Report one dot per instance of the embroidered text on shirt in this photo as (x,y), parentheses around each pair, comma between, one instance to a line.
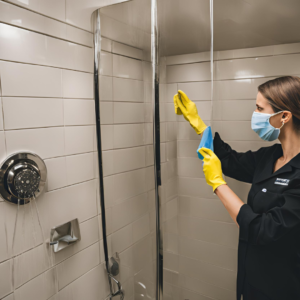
(281,181)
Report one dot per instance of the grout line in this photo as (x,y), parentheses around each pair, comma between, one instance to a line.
(45,66)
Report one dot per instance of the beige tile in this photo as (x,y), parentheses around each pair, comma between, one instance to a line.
(147,71)
(6,275)
(45,142)
(186,148)
(171,150)
(30,264)
(187,132)
(87,286)
(77,85)
(128,113)
(128,90)
(128,211)
(195,187)
(141,228)
(190,167)
(208,273)
(129,159)
(35,81)
(9,297)
(149,155)
(253,52)
(77,265)
(171,131)
(205,288)
(106,64)
(237,110)
(107,136)
(56,173)
(41,287)
(196,90)
(122,239)
(127,67)
(222,233)
(80,168)
(211,209)
(286,48)
(32,112)
(171,261)
(142,253)
(54,9)
(149,133)
(129,184)
(79,112)
(108,162)
(125,50)
(1,115)
(106,88)
(130,135)
(189,72)
(219,255)
(238,131)
(106,44)
(78,139)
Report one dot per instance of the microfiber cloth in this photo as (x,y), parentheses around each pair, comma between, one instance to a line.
(206,141)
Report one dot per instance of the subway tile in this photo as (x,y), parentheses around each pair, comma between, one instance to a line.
(107,136)
(128,112)
(77,265)
(237,110)
(195,187)
(87,286)
(219,255)
(76,201)
(222,233)
(41,287)
(147,71)
(108,162)
(129,159)
(196,90)
(129,184)
(122,239)
(126,50)
(187,132)
(45,142)
(106,112)
(106,64)
(56,173)
(208,273)
(6,275)
(149,155)
(171,150)
(30,264)
(190,167)
(54,9)
(142,253)
(127,67)
(77,84)
(205,288)
(78,139)
(79,112)
(10,297)
(239,131)
(141,228)
(80,168)
(130,90)
(189,72)
(30,80)
(187,148)
(286,48)
(211,209)
(128,211)
(1,114)
(32,112)
(106,88)
(130,135)
(106,44)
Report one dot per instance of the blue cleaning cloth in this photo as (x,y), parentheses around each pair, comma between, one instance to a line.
(206,141)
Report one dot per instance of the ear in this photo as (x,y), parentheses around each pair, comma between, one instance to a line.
(286,116)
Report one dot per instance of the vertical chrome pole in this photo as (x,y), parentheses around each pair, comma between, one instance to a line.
(97,49)
(156,144)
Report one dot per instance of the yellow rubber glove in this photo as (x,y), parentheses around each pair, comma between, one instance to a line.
(184,106)
(212,168)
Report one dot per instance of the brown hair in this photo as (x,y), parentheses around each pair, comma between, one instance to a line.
(283,93)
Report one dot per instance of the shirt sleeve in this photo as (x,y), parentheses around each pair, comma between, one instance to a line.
(263,229)
(237,165)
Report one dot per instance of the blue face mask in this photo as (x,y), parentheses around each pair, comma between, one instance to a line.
(260,123)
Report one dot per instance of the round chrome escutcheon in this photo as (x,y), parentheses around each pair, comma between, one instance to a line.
(22,177)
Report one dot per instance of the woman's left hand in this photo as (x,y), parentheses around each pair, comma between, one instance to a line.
(212,168)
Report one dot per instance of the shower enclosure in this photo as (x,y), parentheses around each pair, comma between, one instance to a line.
(130,176)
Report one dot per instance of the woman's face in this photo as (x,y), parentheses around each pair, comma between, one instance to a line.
(263,106)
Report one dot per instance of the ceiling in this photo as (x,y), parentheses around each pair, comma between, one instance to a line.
(185,24)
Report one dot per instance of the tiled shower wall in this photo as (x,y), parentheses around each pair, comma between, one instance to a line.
(46,73)
(205,244)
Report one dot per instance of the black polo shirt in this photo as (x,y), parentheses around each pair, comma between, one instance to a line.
(269,232)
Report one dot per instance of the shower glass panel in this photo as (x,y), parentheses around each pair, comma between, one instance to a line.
(125,74)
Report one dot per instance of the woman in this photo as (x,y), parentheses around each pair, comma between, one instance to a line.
(269,224)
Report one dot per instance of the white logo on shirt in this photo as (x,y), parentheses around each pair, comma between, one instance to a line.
(282,181)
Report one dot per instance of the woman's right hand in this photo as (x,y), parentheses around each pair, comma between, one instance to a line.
(184,106)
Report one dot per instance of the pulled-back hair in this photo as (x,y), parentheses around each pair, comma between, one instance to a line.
(283,93)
